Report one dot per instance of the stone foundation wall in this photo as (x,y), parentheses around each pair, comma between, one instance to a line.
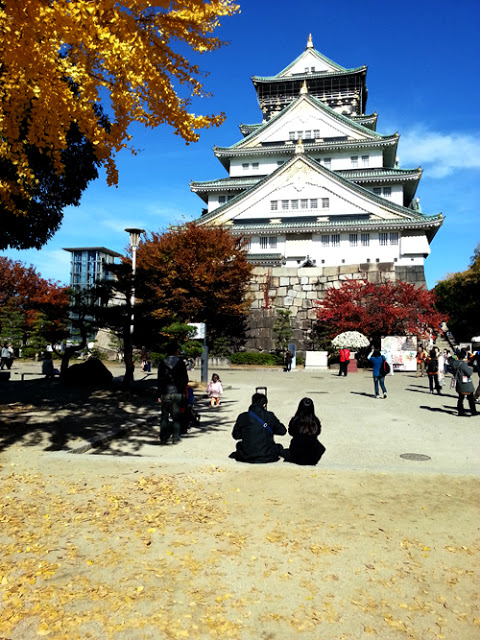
(297,289)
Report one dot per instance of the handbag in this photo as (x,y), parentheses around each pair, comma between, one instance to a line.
(453,381)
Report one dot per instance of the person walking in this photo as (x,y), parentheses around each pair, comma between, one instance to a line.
(215,390)
(344,361)
(305,428)
(4,356)
(463,383)
(288,360)
(172,382)
(433,371)
(421,356)
(377,359)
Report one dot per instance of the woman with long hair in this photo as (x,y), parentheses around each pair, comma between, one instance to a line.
(305,428)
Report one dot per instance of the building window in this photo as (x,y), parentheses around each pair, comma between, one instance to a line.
(312,69)
(325,203)
(272,242)
(325,241)
(280,162)
(222,199)
(387,192)
(291,135)
(304,203)
(365,161)
(327,162)
(245,165)
(299,135)
(394,238)
(284,205)
(335,240)
(377,191)
(353,239)
(306,69)
(313,203)
(294,204)
(316,133)
(354,161)
(254,165)
(365,239)
(230,198)
(263,242)
(273,205)
(383,239)
(308,134)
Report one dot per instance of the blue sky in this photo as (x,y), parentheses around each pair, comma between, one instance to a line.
(423,60)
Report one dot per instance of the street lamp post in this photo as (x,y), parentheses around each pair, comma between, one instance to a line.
(134,240)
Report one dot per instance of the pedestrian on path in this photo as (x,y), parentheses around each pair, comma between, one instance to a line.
(432,372)
(463,383)
(172,382)
(377,359)
(421,357)
(344,361)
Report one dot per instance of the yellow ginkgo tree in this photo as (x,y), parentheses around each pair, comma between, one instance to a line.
(96,66)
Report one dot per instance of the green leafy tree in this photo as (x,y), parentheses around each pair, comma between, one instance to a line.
(282,329)
(458,297)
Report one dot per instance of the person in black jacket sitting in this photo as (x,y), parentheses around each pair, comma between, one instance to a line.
(255,429)
(305,428)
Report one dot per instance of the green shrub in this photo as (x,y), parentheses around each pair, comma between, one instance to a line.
(29,352)
(262,359)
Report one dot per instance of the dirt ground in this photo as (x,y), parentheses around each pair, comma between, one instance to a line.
(135,547)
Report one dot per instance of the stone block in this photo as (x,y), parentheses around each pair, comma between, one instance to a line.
(284,281)
(288,302)
(330,271)
(281,291)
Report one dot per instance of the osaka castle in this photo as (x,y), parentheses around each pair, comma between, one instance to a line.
(314,186)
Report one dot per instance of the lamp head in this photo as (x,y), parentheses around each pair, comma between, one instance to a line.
(134,236)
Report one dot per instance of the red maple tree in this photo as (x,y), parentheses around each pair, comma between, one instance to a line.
(388,308)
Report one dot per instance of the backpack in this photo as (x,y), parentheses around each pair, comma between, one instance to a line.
(384,368)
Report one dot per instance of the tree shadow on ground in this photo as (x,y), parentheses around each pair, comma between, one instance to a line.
(56,417)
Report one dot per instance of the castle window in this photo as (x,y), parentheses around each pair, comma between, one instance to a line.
(353,239)
(284,204)
(273,205)
(325,241)
(263,242)
(335,240)
(387,192)
(327,162)
(377,191)
(313,203)
(291,135)
(325,203)
(354,161)
(365,239)
(222,199)
(306,69)
(383,239)
(272,242)
(280,162)
(304,203)
(294,204)
(245,165)
(308,134)
(394,238)
(299,134)
(365,161)
(254,165)
(316,133)
(312,69)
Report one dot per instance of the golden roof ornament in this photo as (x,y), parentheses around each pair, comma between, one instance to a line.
(299,146)
(304,89)
(310,42)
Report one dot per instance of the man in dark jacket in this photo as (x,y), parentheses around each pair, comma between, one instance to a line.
(172,384)
(255,429)
(463,383)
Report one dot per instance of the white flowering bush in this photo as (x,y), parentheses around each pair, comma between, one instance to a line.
(350,340)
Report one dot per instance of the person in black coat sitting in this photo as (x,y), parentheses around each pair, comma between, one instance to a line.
(255,429)
(305,428)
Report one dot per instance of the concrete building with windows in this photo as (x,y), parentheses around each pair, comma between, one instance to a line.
(318,191)
(87,266)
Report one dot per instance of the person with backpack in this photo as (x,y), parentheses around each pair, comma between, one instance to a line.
(380,369)
(432,371)
(172,382)
(463,383)
(255,429)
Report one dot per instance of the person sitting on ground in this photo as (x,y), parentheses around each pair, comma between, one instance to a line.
(255,429)
(215,390)
(305,428)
